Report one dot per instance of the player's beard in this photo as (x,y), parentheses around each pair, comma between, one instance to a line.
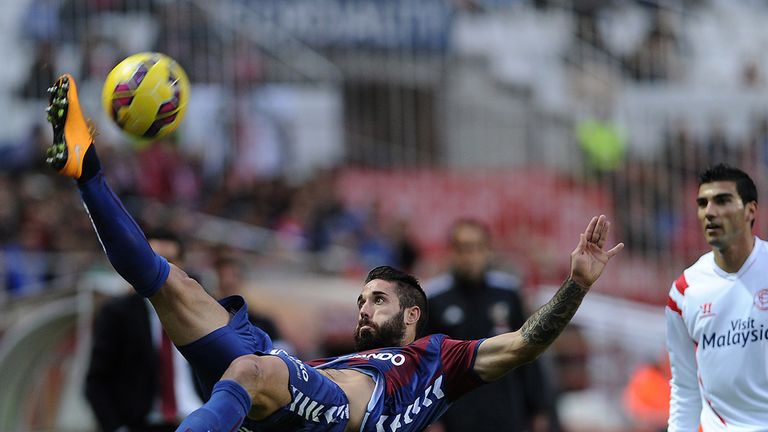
(388,334)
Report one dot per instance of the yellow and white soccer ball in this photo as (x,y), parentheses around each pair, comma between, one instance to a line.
(146,95)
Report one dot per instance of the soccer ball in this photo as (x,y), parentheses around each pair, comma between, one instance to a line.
(146,95)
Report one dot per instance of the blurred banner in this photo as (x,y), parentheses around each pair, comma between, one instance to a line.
(354,24)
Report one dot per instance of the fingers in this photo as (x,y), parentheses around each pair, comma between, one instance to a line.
(600,228)
(597,233)
(597,230)
(603,231)
(590,231)
(614,250)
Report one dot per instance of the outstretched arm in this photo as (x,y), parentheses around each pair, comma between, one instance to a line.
(500,354)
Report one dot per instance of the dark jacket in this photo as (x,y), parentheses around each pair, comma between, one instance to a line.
(475,310)
(122,378)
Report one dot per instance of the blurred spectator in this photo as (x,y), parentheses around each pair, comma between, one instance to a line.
(646,396)
(657,57)
(100,55)
(137,381)
(24,154)
(759,145)
(166,175)
(332,229)
(41,73)
(473,301)
(586,15)
(26,238)
(752,75)
(229,272)
(646,217)
(681,154)
(406,251)
(719,147)
(603,144)
(571,353)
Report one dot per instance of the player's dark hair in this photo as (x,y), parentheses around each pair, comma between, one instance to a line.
(409,292)
(745,187)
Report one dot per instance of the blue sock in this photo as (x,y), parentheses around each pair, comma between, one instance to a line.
(122,239)
(224,411)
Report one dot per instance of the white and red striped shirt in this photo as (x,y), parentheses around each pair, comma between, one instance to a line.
(717,336)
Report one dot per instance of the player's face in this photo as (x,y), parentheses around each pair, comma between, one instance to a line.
(380,319)
(471,252)
(724,218)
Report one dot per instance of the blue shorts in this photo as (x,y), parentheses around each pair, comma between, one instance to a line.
(317,403)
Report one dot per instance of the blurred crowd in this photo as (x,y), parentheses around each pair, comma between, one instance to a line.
(44,228)
(652,196)
(169,181)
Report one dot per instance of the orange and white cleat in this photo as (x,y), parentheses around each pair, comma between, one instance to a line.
(72,136)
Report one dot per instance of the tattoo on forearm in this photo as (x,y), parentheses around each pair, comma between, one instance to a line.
(543,327)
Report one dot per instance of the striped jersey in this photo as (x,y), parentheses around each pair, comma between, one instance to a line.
(717,336)
(415,384)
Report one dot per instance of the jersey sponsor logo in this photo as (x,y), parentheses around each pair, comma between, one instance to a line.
(316,412)
(421,405)
(761,299)
(706,310)
(396,359)
(741,332)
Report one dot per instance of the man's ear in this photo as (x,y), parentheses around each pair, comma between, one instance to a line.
(751,210)
(412,315)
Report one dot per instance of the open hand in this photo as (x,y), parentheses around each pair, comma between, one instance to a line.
(589,258)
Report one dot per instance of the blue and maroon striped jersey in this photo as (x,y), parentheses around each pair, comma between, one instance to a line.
(416,383)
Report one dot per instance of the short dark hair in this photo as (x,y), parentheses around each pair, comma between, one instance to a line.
(167,235)
(745,187)
(409,292)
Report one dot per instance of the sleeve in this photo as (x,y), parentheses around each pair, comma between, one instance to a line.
(101,370)
(685,399)
(458,360)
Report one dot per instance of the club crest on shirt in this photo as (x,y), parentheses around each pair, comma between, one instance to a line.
(761,299)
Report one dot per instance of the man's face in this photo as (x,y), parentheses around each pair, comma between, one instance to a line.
(381,321)
(471,252)
(724,218)
(167,249)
